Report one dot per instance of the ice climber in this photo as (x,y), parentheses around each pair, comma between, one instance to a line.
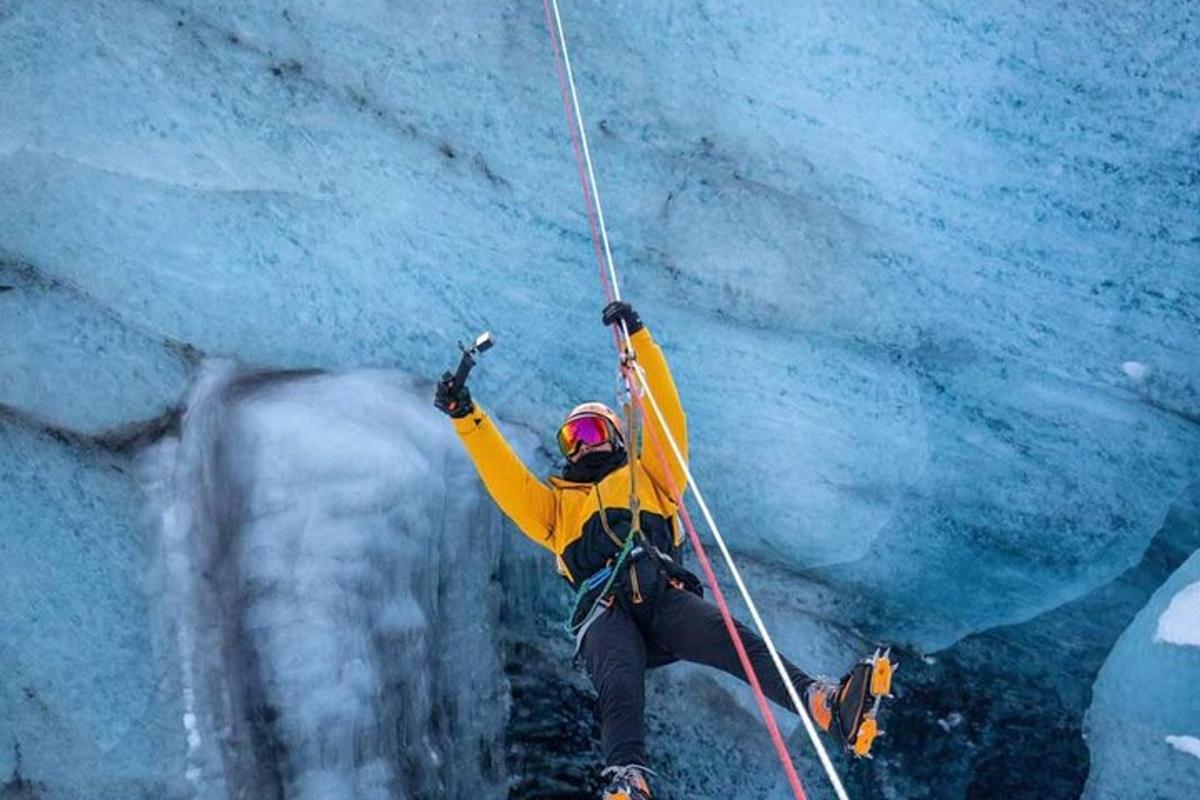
(642,610)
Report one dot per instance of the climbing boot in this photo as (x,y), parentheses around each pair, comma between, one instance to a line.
(627,783)
(820,697)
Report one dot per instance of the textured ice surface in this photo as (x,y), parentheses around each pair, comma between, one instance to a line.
(977,719)
(932,252)
(86,705)
(1146,711)
(79,365)
(926,274)
(328,583)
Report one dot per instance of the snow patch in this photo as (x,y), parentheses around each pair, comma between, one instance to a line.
(1180,623)
(1185,744)
(1136,370)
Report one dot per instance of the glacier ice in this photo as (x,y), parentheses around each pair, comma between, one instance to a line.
(327,569)
(1020,691)
(316,181)
(1145,715)
(925,273)
(85,703)
(1180,623)
(73,348)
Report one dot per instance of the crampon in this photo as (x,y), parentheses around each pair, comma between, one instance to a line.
(859,698)
(851,708)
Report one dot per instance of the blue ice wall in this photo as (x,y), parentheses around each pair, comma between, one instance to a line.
(926,274)
(88,707)
(1144,724)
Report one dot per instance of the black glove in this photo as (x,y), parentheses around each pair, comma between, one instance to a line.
(620,311)
(452,400)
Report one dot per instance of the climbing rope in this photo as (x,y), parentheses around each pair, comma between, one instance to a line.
(579,141)
(640,391)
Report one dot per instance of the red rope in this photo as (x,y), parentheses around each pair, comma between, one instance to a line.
(702,556)
(583,182)
(719,598)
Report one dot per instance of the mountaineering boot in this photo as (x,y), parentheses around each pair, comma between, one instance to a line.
(850,708)
(627,783)
(819,697)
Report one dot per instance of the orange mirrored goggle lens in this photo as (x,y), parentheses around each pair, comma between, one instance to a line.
(589,429)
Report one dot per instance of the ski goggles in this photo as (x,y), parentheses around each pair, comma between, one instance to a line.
(586,429)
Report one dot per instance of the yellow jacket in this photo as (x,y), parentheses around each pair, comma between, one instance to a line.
(584,524)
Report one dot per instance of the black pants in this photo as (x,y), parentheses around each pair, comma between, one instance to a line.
(670,624)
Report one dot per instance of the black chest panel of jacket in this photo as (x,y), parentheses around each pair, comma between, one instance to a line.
(601,540)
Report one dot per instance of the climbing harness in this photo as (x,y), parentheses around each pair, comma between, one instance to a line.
(607,575)
(639,390)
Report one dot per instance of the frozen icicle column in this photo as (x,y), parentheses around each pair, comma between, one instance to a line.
(327,559)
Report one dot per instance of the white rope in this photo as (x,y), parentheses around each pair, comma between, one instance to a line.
(587,158)
(838,788)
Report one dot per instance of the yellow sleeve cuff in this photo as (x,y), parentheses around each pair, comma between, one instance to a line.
(465,426)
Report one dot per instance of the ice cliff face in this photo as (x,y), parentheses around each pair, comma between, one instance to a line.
(926,275)
(1144,723)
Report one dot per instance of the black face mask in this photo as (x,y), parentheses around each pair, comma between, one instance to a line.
(592,467)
